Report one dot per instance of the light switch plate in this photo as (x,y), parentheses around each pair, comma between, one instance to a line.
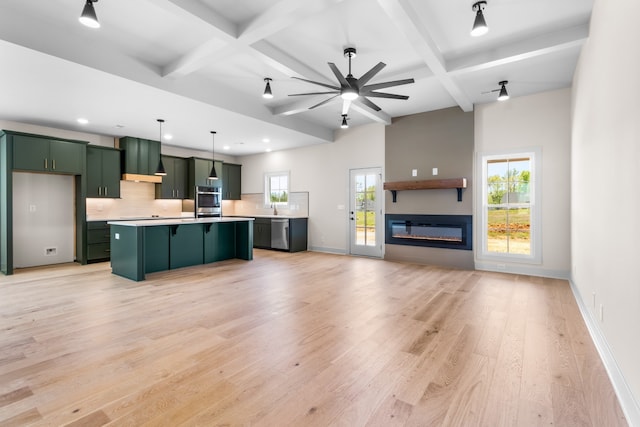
(434,171)
(414,172)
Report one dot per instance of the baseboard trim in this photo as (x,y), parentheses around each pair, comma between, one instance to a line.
(327,250)
(628,403)
(522,269)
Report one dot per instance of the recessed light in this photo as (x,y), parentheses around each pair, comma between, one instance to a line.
(268,150)
(83,121)
(266,140)
(168,136)
(226,147)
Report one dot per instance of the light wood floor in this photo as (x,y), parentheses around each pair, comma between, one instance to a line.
(302,339)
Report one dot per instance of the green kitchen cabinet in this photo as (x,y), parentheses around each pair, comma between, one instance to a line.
(156,248)
(44,154)
(199,170)
(174,183)
(139,156)
(219,241)
(103,172)
(262,233)
(186,245)
(231,181)
(98,241)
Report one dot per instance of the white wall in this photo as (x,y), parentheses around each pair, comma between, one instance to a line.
(43,217)
(323,171)
(605,205)
(541,120)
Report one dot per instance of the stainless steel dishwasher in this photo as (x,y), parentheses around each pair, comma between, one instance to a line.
(280,234)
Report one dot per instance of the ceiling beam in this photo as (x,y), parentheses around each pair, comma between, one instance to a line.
(521,50)
(280,16)
(376,116)
(405,18)
(249,37)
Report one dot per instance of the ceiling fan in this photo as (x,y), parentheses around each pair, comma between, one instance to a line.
(351,89)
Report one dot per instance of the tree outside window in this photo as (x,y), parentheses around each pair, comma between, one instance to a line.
(508,212)
(277,188)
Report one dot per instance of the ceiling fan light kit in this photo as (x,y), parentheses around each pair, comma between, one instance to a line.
(267,94)
(503,95)
(351,89)
(480,27)
(88,16)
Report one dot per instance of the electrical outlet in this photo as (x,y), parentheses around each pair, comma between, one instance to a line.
(50,251)
(434,171)
(414,172)
(32,208)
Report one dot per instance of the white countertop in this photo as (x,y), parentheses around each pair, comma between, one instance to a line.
(274,216)
(177,221)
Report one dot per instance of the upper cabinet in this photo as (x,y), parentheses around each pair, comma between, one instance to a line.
(103,172)
(44,154)
(174,184)
(140,156)
(231,181)
(199,170)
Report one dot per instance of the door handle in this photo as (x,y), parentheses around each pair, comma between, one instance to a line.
(99,191)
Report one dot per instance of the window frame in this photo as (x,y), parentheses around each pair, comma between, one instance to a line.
(482,204)
(267,188)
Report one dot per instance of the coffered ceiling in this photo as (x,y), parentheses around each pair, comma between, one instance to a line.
(200,64)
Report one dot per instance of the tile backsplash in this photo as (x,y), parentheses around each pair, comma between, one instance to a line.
(253,204)
(137,199)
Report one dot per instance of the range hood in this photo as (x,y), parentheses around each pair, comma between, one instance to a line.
(156,179)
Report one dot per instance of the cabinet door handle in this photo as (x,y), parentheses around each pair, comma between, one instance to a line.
(46,163)
(99,191)
(54,164)
(105,190)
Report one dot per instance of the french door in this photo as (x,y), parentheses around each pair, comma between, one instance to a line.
(366,223)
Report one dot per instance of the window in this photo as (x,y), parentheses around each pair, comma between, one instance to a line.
(276,188)
(509,212)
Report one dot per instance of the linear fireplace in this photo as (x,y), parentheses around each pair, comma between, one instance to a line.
(436,231)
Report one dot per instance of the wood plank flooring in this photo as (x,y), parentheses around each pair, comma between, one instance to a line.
(304,339)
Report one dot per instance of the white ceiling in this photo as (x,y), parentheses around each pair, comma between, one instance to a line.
(200,64)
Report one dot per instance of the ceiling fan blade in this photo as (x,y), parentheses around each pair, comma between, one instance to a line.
(369,104)
(369,74)
(315,93)
(318,83)
(345,106)
(387,95)
(322,103)
(343,81)
(384,85)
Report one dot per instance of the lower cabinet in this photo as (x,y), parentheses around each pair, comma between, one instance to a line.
(98,241)
(262,233)
(156,248)
(219,241)
(185,245)
(174,246)
(296,237)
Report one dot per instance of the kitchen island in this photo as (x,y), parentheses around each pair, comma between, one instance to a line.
(147,246)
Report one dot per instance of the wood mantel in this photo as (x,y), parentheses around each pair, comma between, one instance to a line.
(426,184)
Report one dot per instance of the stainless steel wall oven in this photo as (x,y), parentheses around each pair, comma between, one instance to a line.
(208,202)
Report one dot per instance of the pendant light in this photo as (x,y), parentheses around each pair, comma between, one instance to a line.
(503,95)
(160,169)
(344,124)
(267,89)
(480,27)
(213,174)
(88,16)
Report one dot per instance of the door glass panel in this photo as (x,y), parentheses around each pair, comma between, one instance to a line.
(365,212)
